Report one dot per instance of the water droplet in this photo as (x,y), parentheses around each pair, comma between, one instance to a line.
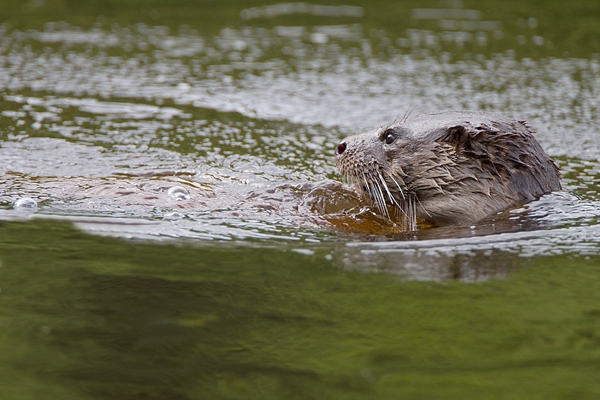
(178,193)
(25,204)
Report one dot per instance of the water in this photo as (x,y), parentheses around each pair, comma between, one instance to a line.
(209,145)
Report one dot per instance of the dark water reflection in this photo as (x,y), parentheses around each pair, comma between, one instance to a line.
(204,134)
(170,321)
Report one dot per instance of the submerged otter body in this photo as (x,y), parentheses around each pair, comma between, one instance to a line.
(451,168)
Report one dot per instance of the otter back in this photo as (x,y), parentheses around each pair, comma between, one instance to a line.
(451,168)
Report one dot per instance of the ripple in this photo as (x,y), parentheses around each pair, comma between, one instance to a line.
(324,83)
(230,137)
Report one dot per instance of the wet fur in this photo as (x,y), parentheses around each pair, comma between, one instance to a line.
(452,168)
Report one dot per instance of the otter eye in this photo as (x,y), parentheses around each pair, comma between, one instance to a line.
(389,137)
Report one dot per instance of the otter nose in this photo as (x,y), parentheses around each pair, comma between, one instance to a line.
(340,148)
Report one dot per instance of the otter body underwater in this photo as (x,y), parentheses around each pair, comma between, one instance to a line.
(450,168)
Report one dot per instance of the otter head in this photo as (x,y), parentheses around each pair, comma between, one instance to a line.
(451,168)
(375,162)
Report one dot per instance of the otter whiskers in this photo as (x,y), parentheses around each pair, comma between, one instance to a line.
(374,183)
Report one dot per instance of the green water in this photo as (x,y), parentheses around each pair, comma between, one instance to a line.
(112,288)
(571,27)
(90,317)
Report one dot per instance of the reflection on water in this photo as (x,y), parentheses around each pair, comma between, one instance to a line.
(301,8)
(95,317)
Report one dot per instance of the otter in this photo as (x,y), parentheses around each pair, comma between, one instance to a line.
(449,168)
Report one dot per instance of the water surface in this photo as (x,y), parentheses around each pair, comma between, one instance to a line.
(238,266)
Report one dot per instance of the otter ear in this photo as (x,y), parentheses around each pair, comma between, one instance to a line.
(458,137)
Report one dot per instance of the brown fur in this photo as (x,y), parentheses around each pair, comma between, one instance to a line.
(451,168)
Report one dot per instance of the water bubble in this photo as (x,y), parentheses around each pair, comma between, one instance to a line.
(25,204)
(178,193)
